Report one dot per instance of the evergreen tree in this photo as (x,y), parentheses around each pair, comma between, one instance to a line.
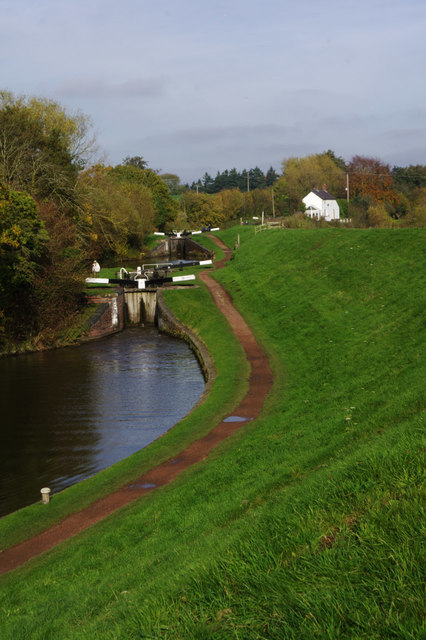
(257,179)
(208,183)
(271,177)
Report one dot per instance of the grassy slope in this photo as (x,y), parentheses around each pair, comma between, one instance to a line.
(304,525)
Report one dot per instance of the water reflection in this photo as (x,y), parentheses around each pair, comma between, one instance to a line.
(69,413)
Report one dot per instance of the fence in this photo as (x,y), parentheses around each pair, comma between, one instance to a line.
(270,224)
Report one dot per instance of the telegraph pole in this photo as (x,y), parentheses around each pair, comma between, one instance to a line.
(347,187)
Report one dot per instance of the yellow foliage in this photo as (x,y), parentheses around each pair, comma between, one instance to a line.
(10,237)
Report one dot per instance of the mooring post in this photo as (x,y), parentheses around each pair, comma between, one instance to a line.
(45,495)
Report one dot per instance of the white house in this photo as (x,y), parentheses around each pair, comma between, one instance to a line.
(320,204)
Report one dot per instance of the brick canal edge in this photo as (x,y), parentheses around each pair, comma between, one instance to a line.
(260,383)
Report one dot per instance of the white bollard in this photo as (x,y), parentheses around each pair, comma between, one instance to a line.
(45,495)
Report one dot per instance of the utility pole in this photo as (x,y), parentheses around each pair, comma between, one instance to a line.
(347,187)
(248,181)
(273,203)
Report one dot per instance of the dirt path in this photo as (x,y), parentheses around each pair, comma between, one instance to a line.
(260,383)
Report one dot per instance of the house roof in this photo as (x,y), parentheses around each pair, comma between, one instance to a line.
(324,195)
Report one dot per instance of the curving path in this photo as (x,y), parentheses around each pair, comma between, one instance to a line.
(260,383)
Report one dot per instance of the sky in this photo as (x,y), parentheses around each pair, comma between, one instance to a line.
(204,86)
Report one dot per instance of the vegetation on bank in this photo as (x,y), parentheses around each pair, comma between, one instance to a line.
(304,524)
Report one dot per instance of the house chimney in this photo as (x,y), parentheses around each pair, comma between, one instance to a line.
(324,187)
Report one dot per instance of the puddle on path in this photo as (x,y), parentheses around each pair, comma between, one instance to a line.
(237,419)
(147,485)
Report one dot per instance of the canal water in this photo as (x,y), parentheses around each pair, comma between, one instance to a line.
(68,413)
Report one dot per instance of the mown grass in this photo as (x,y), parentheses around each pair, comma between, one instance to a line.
(305,524)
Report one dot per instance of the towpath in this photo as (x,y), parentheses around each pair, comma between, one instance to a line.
(260,382)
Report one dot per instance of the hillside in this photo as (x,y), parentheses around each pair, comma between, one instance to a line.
(306,523)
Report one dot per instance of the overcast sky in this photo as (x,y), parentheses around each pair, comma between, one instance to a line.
(208,85)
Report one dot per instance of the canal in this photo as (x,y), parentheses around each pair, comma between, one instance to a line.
(68,413)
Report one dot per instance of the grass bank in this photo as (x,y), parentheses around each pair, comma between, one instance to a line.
(306,524)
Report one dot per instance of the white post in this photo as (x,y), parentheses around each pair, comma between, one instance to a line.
(45,495)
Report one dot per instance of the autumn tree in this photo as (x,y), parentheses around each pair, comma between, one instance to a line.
(301,175)
(378,216)
(417,214)
(59,280)
(202,210)
(259,201)
(232,203)
(42,148)
(372,178)
(165,208)
(118,207)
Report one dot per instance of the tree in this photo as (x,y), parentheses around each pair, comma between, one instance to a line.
(338,160)
(202,209)
(233,179)
(232,203)
(135,161)
(257,179)
(59,280)
(417,216)
(258,201)
(118,207)
(165,208)
(23,241)
(271,177)
(208,183)
(377,216)
(220,182)
(42,148)
(173,183)
(313,172)
(370,177)
(409,180)
(301,175)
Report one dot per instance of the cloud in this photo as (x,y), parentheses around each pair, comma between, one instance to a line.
(99,88)
(223,135)
(208,86)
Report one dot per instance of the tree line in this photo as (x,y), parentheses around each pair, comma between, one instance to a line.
(233,179)
(369,191)
(60,208)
